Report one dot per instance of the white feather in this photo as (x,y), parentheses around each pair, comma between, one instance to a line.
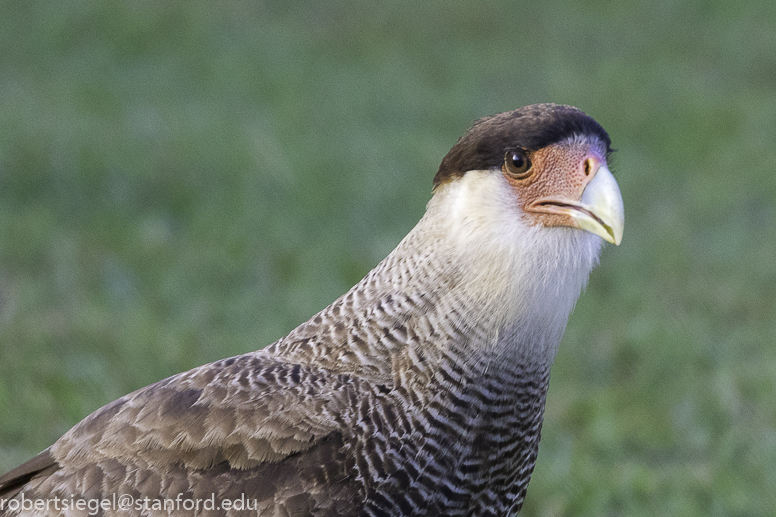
(519,279)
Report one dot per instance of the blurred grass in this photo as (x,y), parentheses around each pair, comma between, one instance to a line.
(184,181)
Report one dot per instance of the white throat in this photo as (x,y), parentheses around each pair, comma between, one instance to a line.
(507,278)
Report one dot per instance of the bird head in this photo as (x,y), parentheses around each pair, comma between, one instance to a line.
(554,160)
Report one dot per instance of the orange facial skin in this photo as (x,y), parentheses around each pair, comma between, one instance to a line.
(555,181)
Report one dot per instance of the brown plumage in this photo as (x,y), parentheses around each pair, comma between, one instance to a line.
(419,392)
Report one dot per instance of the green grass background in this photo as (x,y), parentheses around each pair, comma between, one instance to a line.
(182,181)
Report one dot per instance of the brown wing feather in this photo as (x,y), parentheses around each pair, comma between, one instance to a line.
(14,480)
(252,425)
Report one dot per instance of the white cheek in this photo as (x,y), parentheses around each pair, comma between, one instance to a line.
(519,275)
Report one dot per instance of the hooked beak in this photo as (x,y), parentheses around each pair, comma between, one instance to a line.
(599,210)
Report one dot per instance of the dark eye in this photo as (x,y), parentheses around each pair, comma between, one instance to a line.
(517,163)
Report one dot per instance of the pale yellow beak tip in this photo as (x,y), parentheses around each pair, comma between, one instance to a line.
(603,200)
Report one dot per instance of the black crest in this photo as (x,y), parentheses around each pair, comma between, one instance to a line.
(532,127)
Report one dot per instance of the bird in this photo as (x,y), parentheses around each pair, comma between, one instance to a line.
(419,392)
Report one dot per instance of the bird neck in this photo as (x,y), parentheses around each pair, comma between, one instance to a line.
(471,283)
(508,286)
